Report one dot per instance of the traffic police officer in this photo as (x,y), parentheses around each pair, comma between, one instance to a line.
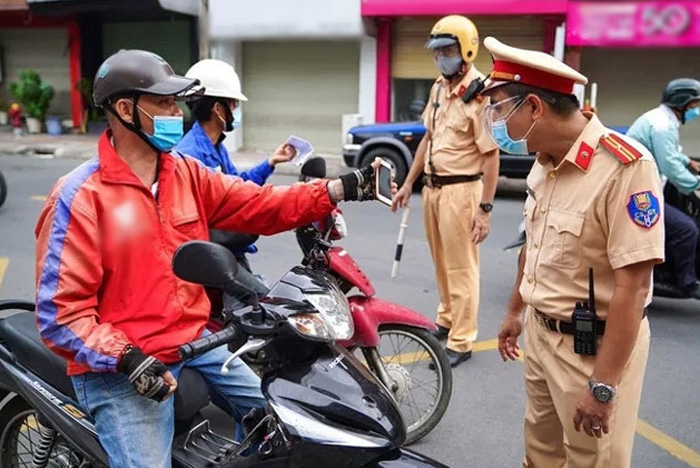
(657,130)
(460,162)
(594,202)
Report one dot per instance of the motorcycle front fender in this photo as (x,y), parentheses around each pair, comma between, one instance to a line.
(402,458)
(369,313)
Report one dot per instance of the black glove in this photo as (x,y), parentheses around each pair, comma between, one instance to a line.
(358,185)
(144,373)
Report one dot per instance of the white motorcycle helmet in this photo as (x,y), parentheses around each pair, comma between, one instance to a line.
(218,78)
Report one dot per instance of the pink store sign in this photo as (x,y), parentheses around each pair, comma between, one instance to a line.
(633,24)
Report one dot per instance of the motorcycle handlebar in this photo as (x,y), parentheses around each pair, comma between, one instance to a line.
(207,343)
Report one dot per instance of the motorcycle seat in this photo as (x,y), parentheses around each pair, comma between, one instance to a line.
(19,333)
(21,336)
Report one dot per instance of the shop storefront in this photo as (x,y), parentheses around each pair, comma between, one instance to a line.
(405,69)
(632,50)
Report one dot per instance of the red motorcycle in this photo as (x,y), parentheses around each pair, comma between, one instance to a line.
(393,341)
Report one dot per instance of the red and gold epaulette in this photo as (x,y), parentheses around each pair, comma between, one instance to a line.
(622,150)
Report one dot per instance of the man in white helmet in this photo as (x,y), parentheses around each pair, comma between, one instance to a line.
(216,112)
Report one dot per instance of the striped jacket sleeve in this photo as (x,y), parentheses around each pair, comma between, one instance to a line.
(69,275)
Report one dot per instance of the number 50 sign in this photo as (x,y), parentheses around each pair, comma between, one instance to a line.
(633,24)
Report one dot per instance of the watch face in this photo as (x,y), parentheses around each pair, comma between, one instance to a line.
(487,207)
(602,393)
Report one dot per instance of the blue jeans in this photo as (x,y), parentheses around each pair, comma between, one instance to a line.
(137,432)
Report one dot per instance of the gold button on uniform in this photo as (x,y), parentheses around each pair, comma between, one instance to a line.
(552,175)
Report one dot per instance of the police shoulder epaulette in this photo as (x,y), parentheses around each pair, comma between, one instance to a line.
(622,150)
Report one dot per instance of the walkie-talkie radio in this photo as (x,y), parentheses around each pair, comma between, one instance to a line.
(584,319)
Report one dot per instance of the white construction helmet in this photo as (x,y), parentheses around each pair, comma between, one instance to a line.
(218,78)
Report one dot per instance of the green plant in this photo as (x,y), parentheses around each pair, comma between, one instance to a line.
(84,86)
(3,106)
(34,95)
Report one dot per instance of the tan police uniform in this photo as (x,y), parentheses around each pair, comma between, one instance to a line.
(458,146)
(600,208)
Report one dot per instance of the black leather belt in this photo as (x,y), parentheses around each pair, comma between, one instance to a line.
(436,181)
(568,327)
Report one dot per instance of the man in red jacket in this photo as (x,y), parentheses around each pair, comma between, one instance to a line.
(107,298)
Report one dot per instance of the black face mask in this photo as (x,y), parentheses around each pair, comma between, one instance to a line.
(228,115)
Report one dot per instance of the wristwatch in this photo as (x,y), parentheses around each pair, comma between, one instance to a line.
(487,207)
(603,393)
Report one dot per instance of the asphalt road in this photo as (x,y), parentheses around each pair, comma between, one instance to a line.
(483,425)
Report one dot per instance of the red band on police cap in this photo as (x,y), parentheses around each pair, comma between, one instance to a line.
(518,73)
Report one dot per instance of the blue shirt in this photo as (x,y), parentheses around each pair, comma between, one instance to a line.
(196,143)
(657,130)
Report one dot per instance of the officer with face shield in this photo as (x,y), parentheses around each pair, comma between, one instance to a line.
(460,163)
(594,224)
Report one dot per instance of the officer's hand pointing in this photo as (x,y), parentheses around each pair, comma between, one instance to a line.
(511,328)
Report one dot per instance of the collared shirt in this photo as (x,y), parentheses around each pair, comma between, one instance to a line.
(196,143)
(657,130)
(459,140)
(591,211)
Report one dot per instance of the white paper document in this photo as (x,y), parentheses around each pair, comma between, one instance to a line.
(303,148)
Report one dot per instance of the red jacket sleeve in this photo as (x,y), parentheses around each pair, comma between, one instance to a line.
(235,205)
(69,274)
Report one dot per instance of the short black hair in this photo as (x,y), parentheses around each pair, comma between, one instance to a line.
(201,108)
(562,104)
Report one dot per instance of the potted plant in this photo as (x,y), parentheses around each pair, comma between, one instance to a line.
(35,97)
(4,119)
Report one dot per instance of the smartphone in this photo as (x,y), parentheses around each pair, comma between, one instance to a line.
(383,178)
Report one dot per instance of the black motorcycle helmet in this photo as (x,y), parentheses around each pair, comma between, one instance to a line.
(131,73)
(681,92)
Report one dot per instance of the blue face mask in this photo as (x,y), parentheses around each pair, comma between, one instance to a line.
(237,116)
(692,114)
(167,131)
(500,135)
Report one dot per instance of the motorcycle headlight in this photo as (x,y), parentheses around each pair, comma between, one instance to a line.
(313,325)
(333,320)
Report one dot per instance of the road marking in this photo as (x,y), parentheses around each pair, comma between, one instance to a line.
(39,198)
(668,443)
(4,262)
(662,440)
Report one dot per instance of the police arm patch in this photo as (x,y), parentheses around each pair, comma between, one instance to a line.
(644,209)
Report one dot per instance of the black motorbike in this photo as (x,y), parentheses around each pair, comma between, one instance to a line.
(325,409)
(664,275)
(3,189)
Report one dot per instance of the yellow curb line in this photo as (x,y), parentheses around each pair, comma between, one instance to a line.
(668,443)
(4,262)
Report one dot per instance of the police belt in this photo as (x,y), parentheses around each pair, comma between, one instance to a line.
(436,181)
(568,327)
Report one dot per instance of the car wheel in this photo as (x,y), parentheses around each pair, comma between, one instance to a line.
(391,156)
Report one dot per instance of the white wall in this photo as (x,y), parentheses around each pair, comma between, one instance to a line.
(368,79)
(282,19)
